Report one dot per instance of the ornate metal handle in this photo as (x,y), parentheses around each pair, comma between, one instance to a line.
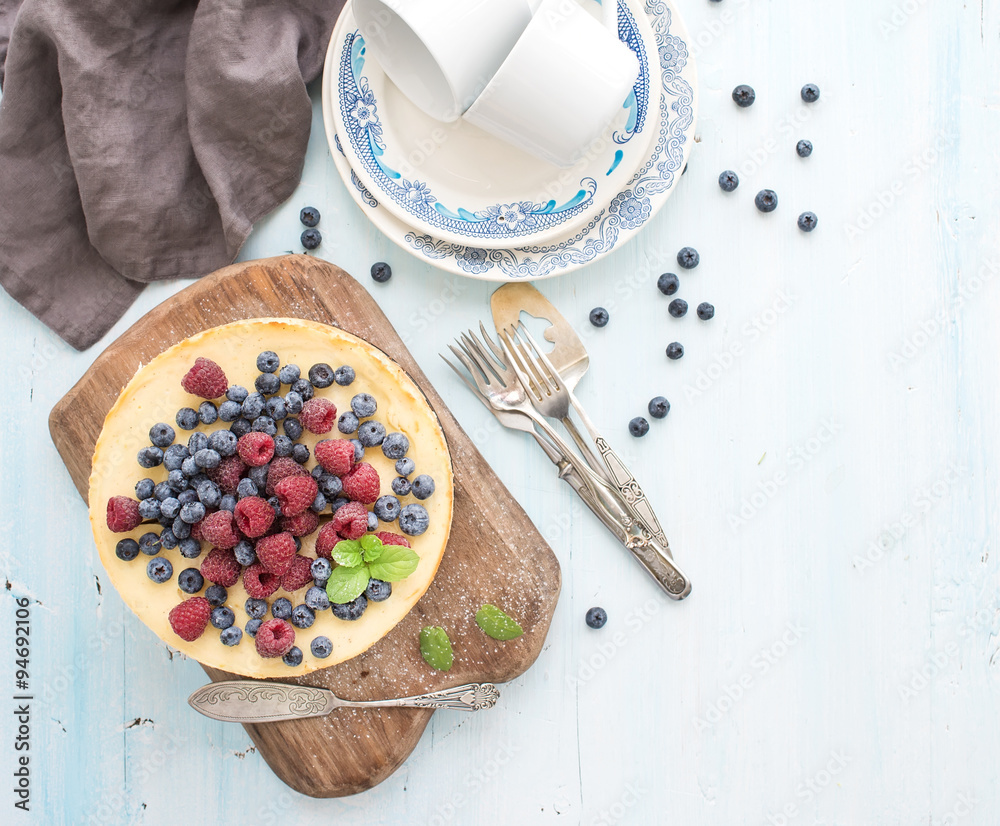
(470,697)
(631,492)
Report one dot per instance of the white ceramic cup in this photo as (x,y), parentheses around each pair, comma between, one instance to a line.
(562,84)
(441,54)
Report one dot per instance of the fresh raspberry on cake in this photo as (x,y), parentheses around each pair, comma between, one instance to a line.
(189,618)
(336,456)
(276,552)
(298,575)
(205,379)
(123,514)
(327,539)
(259,582)
(318,415)
(302,525)
(275,638)
(387,538)
(196,530)
(227,473)
(218,529)
(253,516)
(221,567)
(351,521)
(281,468)
(296,494)
(362,483)
(255,448)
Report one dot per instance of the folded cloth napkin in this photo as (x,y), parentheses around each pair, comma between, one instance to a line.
(141,141)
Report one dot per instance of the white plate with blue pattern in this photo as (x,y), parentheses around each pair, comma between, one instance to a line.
(460,184)
(673,123)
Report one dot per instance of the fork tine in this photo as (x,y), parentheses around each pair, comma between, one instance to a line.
(544,384)
(464,378)
(481,381)
(497,350)
(553,374)
(476,353)
(514,360)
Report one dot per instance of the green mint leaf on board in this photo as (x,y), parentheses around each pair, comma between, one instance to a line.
(371,547)
(495,623)
(346,584)
(394,564)
(347,552)
(435,648)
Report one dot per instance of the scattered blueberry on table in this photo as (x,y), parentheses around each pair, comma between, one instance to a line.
(766,200)
(688,258)
(658,407)
(705,311)
(597,617)
(599,317)
(638,427)
(381,272)
(804,148)
(810,93)
(309,216)
(311,238)
(678,308)
(728,181)
(744,95)
(668,283)
(675,350)
(808,221)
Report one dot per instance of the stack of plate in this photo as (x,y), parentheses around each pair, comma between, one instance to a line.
(475,206)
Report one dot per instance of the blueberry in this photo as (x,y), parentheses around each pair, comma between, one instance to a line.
(222,617)
(705,311)
(265,424)
(292,428)
(281,608)
(223,442)
(807,221)
(320,570)
(275,504)
(170,507)
(413,520)
(303,616)
(304,388)
(381,272)
(283,445)
(364,405)
(311,238)
(149,508)
(209,494)
(227,503)
(348,423)
(186,418)
(300,453)
(350,610)
(192,512)
(371,434)
(293,403)
(185,497)
(176,482)
(401,486)
(309,216)
(174,455)
(190,548)
(294,655)
(150,457)
(268,361)
(253,406)
(596,617)
(231,635)
(729,180)
(658,407)
(688,258)
(289,373)
(675,350)
(197,441)
(164,491)
(405,466)
(207,458)
(240,427)
(359,450)
(638,426)
(378,591)
(159,569)
(804,149)
(372,521)
(678,308)
(167,538)
(744,95)
(149,543)
(321,375)
(161,435)
(668,283)
(423,486)
(207,413)
(189,467)
(321,647)
(810,93)
(766,200)
(330,485)
(255,608)
(181,529)
(395,446)
(387,508)
(599,317)
(252,626)
(276,408)
(190,580)
(344,375)
(258,475)
(237,393)
(338,503)
(127,549)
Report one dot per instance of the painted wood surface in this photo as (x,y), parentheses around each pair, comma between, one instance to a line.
(827,476)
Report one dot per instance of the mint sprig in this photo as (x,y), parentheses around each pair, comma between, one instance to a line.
(359,560)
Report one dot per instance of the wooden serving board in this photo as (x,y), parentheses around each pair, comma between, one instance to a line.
(494,554)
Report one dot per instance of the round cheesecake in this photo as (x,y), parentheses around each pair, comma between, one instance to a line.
(155,395)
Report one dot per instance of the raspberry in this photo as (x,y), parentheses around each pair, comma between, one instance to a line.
(296,494)
(196,530)
(302,525)
(335,455)
(276,552)
(362,483)
(350,521)
(275,638)
(123,514)
(259,582)
(298,575)
(253,516)
(217,528)
(281,468)
(228,473)
(221,567)
(392,539)
(255,448)
(189,618)
(205,379)
(318,415)
(328,537)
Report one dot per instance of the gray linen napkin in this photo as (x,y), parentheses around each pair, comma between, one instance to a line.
(141,141)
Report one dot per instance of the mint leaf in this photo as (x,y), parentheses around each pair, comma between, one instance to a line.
(435,648)
(495,623)
(371,547)
(346,584)
(394,563)
(347,552)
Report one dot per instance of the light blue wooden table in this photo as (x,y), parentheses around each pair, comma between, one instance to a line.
(827,476)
